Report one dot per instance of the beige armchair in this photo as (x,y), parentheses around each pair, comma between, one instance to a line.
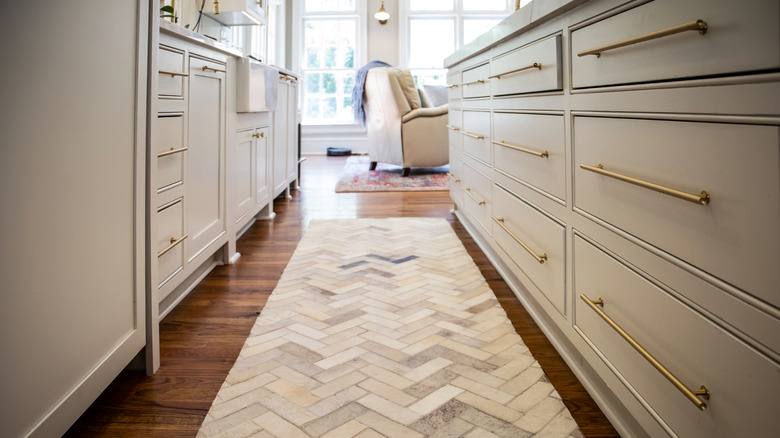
(400,130)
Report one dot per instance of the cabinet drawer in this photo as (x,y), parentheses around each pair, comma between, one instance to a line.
(535,67)
(534,242)
(477,196)
(456,179)
(455,125)
(476,134)
(200,65)
(172,71)
(170,150)
(738,38)
(742,383)
(531,149)
(170,240)
(453,86)
(475,82)
(735,237)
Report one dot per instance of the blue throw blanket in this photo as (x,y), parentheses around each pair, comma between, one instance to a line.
(360,84)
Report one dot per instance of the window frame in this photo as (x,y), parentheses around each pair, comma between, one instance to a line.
(300,16)
(457,13)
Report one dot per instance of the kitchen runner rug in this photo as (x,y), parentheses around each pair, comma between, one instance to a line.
(387,178)
(385,327)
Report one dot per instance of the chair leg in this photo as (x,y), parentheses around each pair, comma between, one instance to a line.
(406,171)
(372,166)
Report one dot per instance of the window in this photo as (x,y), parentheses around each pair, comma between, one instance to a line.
(437,28)
(329,60)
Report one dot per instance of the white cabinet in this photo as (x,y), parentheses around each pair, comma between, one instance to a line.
(72,171)
(188,172)
(261,160)
(205,157)
(292,131)
(634,165)
(279,172)
(285,132)
(243,172)
(187,199)
(250,170)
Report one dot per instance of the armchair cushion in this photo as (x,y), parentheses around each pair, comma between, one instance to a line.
(406,84)
(437,94)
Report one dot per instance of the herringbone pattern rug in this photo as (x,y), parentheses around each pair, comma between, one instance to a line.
(385,327)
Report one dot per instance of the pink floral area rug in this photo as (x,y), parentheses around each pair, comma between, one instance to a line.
(387,178)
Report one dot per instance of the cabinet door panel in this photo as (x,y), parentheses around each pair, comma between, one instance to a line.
(262,156)
(243,166)
(205,218)
(292,134)
(280,141)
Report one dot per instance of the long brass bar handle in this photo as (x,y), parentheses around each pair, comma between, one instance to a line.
(539,258)
(478,81)
(536,65)
(452,86)
(171,152)
(174,242)
(690,394)
(544,154)
(468,134)
(698,25)
(702,198)
(453,128)
(453,178)
(172,73)
(215,70)
(471,195)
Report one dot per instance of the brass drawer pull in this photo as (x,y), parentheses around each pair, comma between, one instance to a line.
(174,242)
(215,70)
(702,199)
(539,258)
(453,128)
(288,78)
(468,134)
(698,25)
(453,86)
(537,65)
(258,134)
(478,81)
(544,154)
(171,152)
(172,73)
(471,195)
(453,178)
(690,394)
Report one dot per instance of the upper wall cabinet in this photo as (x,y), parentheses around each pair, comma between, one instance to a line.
(238,12)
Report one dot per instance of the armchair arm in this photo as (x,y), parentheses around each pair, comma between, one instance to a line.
(425,112)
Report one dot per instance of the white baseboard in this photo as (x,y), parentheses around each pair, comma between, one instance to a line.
(316,139)
(320,147)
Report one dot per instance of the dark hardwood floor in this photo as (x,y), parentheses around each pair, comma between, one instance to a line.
(201,338)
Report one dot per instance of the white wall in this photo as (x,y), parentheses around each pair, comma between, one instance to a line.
(383,39)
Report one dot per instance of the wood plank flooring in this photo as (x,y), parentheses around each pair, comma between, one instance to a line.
(201,338)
